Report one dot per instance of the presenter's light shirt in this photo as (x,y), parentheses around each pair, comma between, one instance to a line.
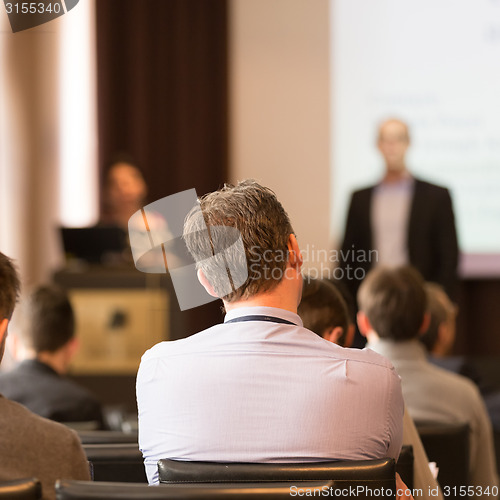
(391,206)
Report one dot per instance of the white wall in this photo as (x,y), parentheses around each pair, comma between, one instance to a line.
(279,121)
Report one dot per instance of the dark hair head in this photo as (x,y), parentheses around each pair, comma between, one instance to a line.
(9,287)
(48,322)
(394,302)
(322,307)
(122,158)
(348,298)
(264,227)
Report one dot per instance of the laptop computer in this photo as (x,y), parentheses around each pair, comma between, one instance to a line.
(95,244)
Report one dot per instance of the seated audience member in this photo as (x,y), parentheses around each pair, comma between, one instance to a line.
(392,316)
(31,445)
(48,343)
(439,339)
(440,334)
(260,387)
(324,311)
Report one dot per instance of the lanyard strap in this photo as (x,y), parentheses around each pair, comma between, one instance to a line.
(256,317)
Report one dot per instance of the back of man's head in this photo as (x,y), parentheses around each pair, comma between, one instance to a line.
(264,227)
(394,302)
(9,287)
(322,308)
(9,292)
(47,321)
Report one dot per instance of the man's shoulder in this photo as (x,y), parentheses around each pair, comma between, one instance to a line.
(18,420)
(297,338)
(6,377)
(454,381)
(430,188)
(179,346)
(363,192)
(369,357)
(72,390)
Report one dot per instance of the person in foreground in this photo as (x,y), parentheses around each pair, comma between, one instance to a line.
(32,446)
(392,316)
(324,311)
(46,344)
(260,387)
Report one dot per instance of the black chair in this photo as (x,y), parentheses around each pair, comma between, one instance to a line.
(21,489)
(404,465)
(87,490)
(448,446)
(116,462)
(363,476)
(107,437)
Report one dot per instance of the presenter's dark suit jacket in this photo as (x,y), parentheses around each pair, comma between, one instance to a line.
(432,237)
(46,393)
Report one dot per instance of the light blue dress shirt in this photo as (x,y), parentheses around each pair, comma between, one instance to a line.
(259,391)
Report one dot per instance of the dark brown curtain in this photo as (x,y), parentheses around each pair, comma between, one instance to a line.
(162,96)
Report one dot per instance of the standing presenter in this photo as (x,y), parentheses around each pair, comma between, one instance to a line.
(405,219)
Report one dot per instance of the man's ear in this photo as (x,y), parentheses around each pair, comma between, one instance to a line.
(72,347)
(205,283)
(333,334)
(3,329)
(425,324)
(294,255)
(363,324)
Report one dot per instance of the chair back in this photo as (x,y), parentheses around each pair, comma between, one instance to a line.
(107,437)
(88,490)
(404,465)
(116,462)
(448,446)
(364,476)
(21,489)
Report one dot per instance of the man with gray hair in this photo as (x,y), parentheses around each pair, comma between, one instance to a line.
(32,446)
(260,387)
(392,316)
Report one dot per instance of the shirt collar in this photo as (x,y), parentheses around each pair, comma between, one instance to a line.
(264,311)
(411,350)
(406,183)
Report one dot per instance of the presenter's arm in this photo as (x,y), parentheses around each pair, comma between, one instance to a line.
(349,233)
(447,245)
(349,243)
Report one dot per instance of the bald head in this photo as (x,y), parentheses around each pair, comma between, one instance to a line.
(392,141)
(391,127)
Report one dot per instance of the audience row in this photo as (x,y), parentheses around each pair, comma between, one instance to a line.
(276,382)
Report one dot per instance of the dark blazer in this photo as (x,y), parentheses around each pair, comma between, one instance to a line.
(432,237)
(46,393)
